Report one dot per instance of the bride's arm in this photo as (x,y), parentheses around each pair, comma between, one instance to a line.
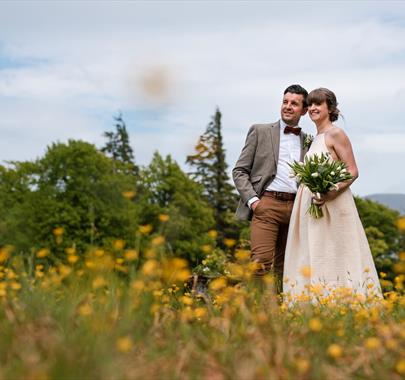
(338,141)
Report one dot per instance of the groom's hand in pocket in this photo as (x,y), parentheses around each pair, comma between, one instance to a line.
(254,205)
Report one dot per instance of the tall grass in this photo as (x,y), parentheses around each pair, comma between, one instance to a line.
(135,315)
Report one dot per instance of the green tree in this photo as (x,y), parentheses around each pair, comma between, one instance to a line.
(17,181)
(165,189)
(118,147)
(385,239)
(74,187)
(210,169)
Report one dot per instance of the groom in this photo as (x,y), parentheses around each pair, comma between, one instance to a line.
(261,176)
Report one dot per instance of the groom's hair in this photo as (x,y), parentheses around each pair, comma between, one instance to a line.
(297,89)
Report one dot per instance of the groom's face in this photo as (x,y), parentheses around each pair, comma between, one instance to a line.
(292,108)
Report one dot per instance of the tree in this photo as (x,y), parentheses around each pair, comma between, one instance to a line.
(165,189)
(210,169)
(118,147)
(73,187)
(385,239)
(17,181)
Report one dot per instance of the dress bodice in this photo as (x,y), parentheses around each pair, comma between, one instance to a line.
(318,145)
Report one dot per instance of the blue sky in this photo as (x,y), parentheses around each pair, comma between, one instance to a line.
(67,67)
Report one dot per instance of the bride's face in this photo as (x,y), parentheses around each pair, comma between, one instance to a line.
(318,112)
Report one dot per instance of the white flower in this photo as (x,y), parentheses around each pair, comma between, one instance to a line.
(316,174)
(291,175)
(300,163)
(343,171)
(332,173)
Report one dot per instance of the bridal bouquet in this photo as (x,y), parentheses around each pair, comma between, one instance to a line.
(320,174)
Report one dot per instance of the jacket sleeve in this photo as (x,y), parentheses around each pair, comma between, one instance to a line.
(241,173)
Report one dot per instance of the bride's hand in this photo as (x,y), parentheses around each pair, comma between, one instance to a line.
(320,199)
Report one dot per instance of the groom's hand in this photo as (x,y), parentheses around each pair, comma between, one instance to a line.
(254,205)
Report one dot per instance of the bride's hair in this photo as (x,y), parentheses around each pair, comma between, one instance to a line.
(321,95)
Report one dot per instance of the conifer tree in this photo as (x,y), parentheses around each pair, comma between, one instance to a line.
(118,147)
(210,169)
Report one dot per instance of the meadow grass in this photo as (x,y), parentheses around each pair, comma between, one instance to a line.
(125,314)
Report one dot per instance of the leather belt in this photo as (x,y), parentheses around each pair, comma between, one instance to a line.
(279,195)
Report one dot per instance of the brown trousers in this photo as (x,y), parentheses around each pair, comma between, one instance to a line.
(268,236)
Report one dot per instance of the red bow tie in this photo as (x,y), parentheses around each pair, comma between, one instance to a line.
(295,130)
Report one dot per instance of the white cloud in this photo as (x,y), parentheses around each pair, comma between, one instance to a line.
(382,143)
(82,62)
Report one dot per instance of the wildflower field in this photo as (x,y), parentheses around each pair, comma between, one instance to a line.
(131,313)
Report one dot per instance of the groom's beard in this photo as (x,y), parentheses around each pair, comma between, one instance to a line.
(292,122)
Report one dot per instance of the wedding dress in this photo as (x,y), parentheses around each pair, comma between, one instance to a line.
(330,254)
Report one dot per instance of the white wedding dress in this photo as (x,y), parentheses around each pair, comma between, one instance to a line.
(330,254)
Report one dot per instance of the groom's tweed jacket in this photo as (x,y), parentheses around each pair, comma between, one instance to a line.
(257,164)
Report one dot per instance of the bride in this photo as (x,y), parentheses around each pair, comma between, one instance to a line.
(331,254)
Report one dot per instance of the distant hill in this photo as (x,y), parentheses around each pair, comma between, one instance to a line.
(394,201)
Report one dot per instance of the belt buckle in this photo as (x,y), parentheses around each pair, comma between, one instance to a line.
(283,196)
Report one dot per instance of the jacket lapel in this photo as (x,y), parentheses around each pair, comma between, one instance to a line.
(275,141)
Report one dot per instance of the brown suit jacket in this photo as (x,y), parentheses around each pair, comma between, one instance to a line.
(257,164)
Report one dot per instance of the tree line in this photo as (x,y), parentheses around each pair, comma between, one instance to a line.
(99,195)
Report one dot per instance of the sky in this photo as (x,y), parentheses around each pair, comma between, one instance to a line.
(67,67)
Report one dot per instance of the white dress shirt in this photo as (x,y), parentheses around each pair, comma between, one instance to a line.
(290,150)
